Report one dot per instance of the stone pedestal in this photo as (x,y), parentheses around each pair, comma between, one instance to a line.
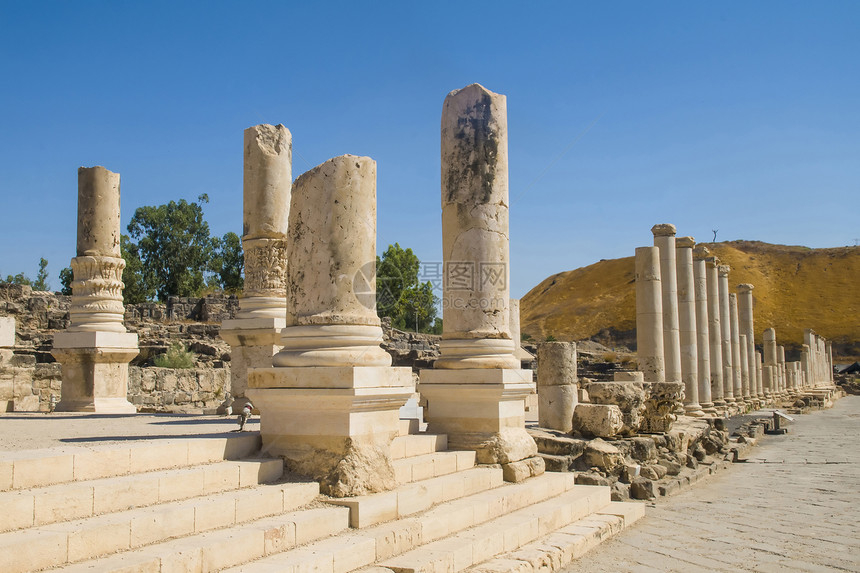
(334,424)
(95,350)
(556,381)
(476,393)
(481,409)
(95,371)
(330,404)
(253,342)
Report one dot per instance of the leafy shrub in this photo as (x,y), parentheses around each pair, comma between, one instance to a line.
(175,357)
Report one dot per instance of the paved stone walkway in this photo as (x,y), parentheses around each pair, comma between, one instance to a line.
(793,506)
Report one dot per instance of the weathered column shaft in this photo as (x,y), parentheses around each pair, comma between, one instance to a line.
(664,239)
(703,344)
(687,324)
(715,332)
(745,366)
(266,207)
(758,376)
(475,241)
(780,357)
(828,349)
(805,365)
(649,314)
(745,317)
(726,340)
(736,349)
(556,381)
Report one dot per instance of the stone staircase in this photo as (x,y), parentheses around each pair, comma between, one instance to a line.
(207,504)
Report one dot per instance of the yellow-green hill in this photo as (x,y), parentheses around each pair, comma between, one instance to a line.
(795,288)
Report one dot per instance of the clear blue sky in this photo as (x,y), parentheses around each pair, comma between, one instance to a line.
(737,116)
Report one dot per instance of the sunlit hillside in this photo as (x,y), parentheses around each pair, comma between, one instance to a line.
(795,288)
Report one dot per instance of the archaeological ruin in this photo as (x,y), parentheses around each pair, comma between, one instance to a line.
(372,449)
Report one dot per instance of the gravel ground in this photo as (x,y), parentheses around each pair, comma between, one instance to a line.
(35,431)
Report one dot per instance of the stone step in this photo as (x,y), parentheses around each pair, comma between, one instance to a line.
(417,468)
(417,445)
(412,498)
(503,534)
(360,548)
(225,548)
(408,426)
(557,550)
(37,468)
(78,500)
(79,540)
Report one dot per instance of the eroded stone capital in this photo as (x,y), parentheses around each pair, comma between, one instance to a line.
(663,230)
(745,288)
(701,253)
(685,243)
(724,270)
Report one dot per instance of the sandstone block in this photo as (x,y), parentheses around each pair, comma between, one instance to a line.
(597,420)
(604,456)
(523,469)
(642,488)
(7,331)
(628,396)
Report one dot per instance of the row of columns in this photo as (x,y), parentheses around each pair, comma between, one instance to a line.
(691,328)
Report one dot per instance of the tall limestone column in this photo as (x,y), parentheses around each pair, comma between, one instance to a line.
(726,341)
(664,239)
(780,357)
(95,350)
(746,371)
(737,366)
(804,365)
(828,350)
(809,341)
(745,316)
(703,343)
(687,325)
(255,334)
(649,315)
(476,391)
(330,404)
(771,388)
(758,376)
(715,333)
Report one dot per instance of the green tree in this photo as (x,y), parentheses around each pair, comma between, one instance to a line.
(399,294)
(19,279)
(229,263)
(66,278)
(174,246)
(41,282)
(139,285)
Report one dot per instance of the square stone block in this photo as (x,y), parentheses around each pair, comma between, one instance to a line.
(7,331)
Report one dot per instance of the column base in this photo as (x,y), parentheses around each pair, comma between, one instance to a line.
(253,342)
(95,371)
(480,409)
(693,410)
(334,424)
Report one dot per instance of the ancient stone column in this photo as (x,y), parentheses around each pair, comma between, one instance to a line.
(780,357)
(770,360)
(649,315)
(805,365)
(745,366)
(758,376)
(255,334)
(664,239)
(828,350)
(715,333)
(768,380)
(556,381)
(745,317)
(726,340)
(687,325)
(520,353)
(330,403)
(475,392)
(700,278)
(95,350)
(809,342)
(737,367)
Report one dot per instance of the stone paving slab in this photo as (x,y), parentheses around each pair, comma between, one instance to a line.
(792,506)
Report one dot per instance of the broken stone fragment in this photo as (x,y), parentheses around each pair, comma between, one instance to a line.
(597,420)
